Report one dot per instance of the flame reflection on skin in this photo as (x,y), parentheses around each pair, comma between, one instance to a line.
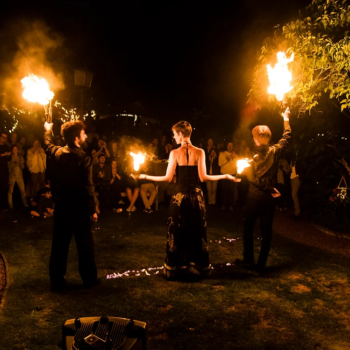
(36,90)
(138,159)
(280,77)
(242,164)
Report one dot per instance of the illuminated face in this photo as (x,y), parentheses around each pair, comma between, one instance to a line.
(36,144)
(114,164)
(82,137)
(15,150)
(210,142)
(177,136)
(102,159)
(114,147)
(230,147)
(13,137)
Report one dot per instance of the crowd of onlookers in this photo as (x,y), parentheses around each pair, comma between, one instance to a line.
(113,173)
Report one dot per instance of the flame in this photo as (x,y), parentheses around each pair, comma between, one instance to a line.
(36,90)
(280,77)
(138,159)
(242,164)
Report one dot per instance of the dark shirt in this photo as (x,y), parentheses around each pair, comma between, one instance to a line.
(215,166)
(3,160)
(43,204)
(106,170)
(262,174)
(72,182)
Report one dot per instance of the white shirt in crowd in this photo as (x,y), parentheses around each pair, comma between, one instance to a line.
(36,161)
(228,166)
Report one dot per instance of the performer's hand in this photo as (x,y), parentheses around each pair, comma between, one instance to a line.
(142,177)
(233,178)
(286,114)
(48,126)
(94,217)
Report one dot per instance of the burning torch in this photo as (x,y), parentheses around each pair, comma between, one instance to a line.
(242,164)
(37,90)
(280,77)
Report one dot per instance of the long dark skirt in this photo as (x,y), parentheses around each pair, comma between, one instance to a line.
(187,249)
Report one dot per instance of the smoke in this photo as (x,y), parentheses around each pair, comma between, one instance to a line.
(29,47)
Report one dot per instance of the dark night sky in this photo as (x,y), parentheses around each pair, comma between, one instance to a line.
(170,58)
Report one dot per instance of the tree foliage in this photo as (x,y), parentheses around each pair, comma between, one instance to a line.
(321,44)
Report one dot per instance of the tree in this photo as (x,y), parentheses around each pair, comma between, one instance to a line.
(321,67)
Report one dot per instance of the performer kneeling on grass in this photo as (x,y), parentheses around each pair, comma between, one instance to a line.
(187,248)
(260,202)
(74,204)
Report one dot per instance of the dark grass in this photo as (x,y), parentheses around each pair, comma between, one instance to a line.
(302,302)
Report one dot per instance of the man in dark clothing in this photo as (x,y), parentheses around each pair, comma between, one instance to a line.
(5,157)
(102,176)
(260,202)
(73,191)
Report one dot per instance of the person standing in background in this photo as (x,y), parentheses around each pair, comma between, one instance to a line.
(5,156)
(228,165)
(212,169)
(16,165)
(36,163)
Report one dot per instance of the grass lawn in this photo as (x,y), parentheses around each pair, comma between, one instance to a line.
(302,303)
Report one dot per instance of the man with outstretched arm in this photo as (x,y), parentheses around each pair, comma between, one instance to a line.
(73,191)
(260,202)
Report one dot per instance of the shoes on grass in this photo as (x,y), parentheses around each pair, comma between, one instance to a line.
(94,283)
(250,266)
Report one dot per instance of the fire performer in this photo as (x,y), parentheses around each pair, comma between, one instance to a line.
(74,204)
(187,247)
(260,203)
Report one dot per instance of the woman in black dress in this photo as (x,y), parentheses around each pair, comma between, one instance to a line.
(187,248)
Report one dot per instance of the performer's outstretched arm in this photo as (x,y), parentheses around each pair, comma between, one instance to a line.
(282,143)
(170,171)
(202,172)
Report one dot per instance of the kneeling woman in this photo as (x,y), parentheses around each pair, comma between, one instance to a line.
(187,248)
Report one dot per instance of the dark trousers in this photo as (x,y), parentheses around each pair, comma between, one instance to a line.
(4,185)
(70,222)
(262,208)
(227,193)
(103,190)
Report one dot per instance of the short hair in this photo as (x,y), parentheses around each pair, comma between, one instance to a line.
(3,132)
(101,155)
(184,127)
(262,134)
(13,146)
(71,130)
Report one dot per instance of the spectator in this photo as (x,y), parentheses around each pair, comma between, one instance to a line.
(147,187)
(164,148)
(101,149)
(210,146)
(212,169)
(22,146)
(102,175)
(242,147)
(13,139)
(155,146)
(248,153)
(220,147)
(92,135)
(118,186)
(45,207)
(228,165)
(116,154)
(132,186)
(5,156)
(16,165)
(36,163)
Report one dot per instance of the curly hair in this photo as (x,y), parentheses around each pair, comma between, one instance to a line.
(71,130)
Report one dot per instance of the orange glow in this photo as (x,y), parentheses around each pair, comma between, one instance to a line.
(36,90)
(280,77)
(242,164)
(138,159)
